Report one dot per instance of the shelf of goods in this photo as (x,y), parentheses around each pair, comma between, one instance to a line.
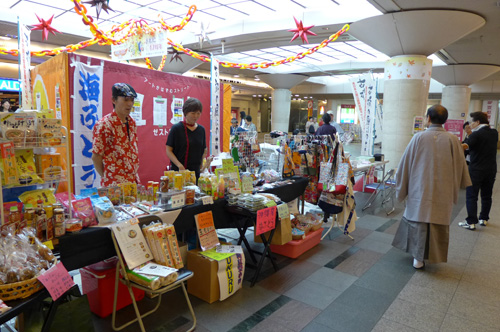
(49,172)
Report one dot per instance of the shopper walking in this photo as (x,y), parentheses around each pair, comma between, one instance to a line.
(482,146)
(430,174)
(115,153)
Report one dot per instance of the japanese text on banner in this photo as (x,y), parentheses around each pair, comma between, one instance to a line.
(215,108)
(87,110)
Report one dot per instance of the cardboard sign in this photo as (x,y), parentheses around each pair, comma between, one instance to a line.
(206,230)
(57,280)
(283,211)
(230,274)
(266,220)
(293,206)
(217,256)
(227,164)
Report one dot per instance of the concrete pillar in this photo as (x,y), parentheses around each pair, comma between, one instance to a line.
(456,99)
(282,97)
(475,106)
(280,109)
(406,87)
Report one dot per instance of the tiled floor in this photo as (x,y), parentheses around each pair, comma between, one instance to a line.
(358,285)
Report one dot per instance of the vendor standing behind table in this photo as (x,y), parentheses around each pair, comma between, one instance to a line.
(186,142)
(115,153)
(326,128)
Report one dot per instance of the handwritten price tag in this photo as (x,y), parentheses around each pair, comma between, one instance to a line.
(266,220)
(227,164)
(57,280)
(207,200)
(247,184)
(178,200)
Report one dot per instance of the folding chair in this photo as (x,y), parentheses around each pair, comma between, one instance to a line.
(387,188)
(121,276)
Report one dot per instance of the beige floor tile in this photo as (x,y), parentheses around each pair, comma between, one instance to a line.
(459,324)
(385,325)
(449,270)
(428,297)
(413,315)
(474,310)
(435,281)
(480,292)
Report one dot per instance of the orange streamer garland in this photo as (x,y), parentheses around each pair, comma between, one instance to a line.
(140,26)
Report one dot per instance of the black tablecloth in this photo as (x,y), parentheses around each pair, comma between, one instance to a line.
(94,244)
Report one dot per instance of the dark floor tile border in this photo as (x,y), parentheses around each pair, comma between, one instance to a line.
(173,324)
(342,257)
(261,314)
(385,226)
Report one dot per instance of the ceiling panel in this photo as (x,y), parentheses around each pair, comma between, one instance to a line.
(42,11)
(7,3)
(65,5)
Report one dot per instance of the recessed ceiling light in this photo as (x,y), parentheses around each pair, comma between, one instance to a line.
(236,75)
(296,95)
(260,95)
(254,96)
(257,79)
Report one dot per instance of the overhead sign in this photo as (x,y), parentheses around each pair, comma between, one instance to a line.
(9,85)
(141,46)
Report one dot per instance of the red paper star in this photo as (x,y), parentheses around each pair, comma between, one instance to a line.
(175,55)
(99,5)
(45,27)
(301,31)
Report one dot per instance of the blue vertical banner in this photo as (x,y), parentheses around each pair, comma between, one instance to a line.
(24,56)
(215,108)
(87,110)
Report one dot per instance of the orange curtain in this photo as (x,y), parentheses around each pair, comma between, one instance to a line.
(226,117)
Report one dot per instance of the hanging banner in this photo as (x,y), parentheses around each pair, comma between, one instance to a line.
(491,108)
(456,127)
(87,110)
(364,89)
(141,46)
(215,108)
(230,274)
(24,64)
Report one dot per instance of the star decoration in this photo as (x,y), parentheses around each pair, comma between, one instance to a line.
(45,26)
(99,5)
(301,31)
(175,55)
(203,35)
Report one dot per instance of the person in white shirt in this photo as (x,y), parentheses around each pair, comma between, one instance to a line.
(249,125)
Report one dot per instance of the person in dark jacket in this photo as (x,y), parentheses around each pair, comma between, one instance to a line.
(326,128)
(482,146)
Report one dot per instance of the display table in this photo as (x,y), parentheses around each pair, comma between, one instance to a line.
(94,244)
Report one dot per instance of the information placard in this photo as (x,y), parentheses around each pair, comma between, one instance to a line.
(132,243)
(266,220)
(283,211)
(57,280)
(206,230)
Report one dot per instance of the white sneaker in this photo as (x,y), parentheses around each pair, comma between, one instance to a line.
(464,224)
(418,264)
(483,222)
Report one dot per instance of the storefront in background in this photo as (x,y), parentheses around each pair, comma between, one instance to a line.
(9,89)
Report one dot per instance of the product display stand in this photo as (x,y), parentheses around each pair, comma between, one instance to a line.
(246,217)
(64,177)
(121,276)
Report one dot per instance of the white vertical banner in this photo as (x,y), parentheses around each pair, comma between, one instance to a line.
(24,57)
(215,108)
(87,110)
(491,108)
(364,90)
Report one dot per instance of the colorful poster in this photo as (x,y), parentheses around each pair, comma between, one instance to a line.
(418,124)
(206,230)
(491,108)
(215,108)
(176,107)
(136,114)
(159,111)
(456,127)
(364,89)
(266,220)
(87,110)
(141,46)
(24,59)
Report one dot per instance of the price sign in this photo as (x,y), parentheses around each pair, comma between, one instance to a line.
(270,203)
(178,200)
(266,220)
(247,184)
(206,230)
(57,280)
(283,211)
(207,200)
(227,164)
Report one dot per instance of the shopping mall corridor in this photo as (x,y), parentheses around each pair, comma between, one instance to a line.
(358,285)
